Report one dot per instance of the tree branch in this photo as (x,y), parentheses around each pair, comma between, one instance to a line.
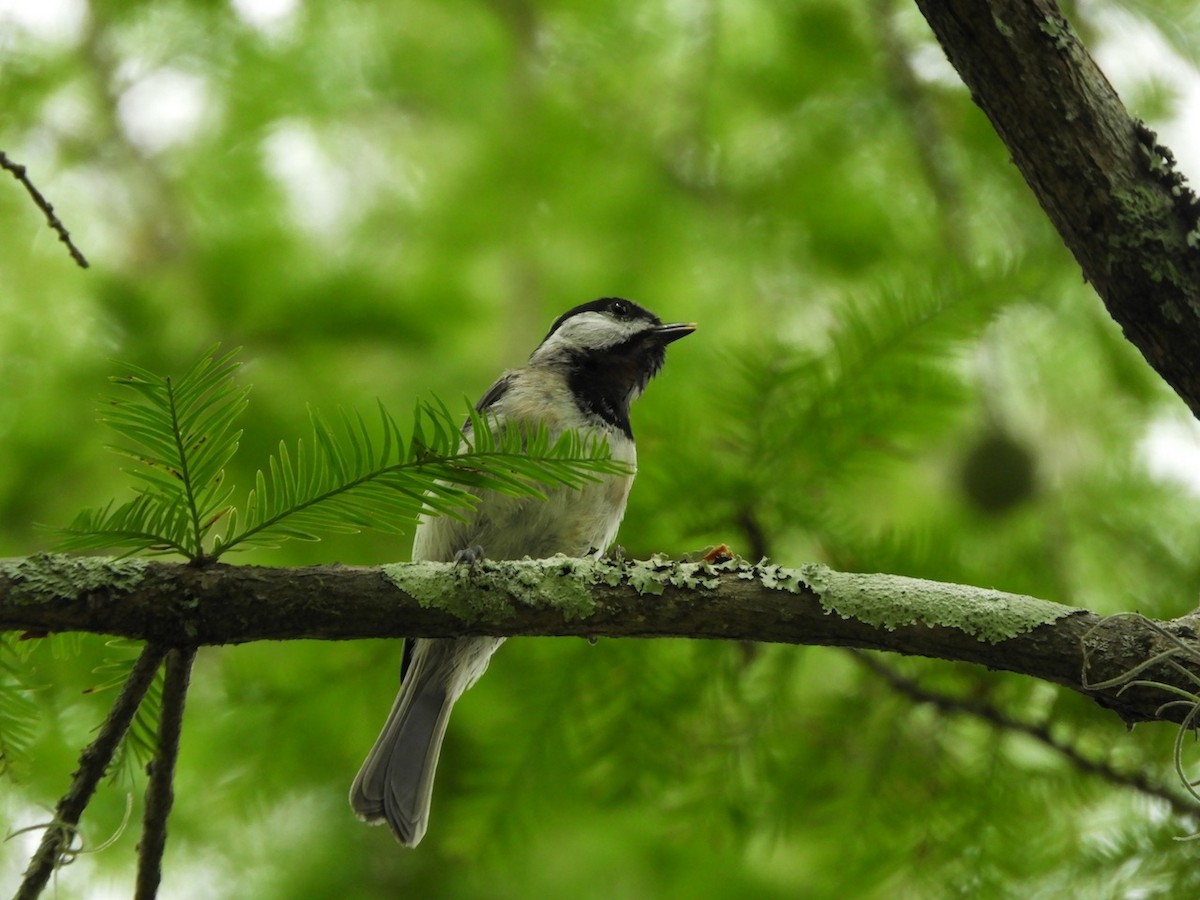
(946,704)
(1104,181)
(182,606)
(160,790)
(18,172)
(93,763)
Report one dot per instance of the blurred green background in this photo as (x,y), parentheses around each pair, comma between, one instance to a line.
(898,369)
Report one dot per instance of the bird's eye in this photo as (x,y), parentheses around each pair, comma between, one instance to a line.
(620,309)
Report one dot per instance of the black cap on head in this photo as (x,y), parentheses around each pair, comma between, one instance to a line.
(617,307)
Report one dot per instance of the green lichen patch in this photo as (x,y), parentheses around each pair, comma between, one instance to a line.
(775,577)
(427,582)
(1057,30)
(491,588)
(646,577)
(654,575)
(893,601)
(59,577)
(559,582)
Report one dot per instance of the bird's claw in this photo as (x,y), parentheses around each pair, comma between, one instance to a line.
(470,555)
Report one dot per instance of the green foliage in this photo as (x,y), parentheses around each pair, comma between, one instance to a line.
(140,742)
(181,434)
(18,709)
(353,482)
(395,200)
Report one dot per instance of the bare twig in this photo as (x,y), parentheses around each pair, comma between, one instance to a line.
(18,172)
(160,792)
(1041,733)
(93,763)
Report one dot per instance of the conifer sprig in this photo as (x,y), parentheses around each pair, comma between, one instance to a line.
(181,434)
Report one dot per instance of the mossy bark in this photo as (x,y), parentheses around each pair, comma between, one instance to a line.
(176,605)
(1109,188)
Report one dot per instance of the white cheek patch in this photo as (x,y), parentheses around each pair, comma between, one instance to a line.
(590,331)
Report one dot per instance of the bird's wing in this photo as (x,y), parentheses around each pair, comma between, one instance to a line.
(494,393)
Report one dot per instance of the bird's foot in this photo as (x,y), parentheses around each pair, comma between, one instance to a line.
(470,555)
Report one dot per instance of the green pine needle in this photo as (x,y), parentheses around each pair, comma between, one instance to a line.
(181,434)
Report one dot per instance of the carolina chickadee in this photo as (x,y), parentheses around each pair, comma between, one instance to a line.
(595,361)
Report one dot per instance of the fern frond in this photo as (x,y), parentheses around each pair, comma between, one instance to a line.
(347,479)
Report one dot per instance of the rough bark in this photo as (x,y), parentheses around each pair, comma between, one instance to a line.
(1109,188)
(180,606)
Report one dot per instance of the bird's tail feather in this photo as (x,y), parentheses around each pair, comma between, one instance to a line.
(395,783)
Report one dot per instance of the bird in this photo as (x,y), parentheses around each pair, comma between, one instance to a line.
(594,362)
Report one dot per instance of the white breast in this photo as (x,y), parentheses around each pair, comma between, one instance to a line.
(569,521)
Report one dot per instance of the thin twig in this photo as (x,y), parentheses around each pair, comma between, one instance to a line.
(93,763)
(18,172)
(160,791)
(1041,733)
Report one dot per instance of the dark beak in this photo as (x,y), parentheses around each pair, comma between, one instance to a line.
(668,333)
